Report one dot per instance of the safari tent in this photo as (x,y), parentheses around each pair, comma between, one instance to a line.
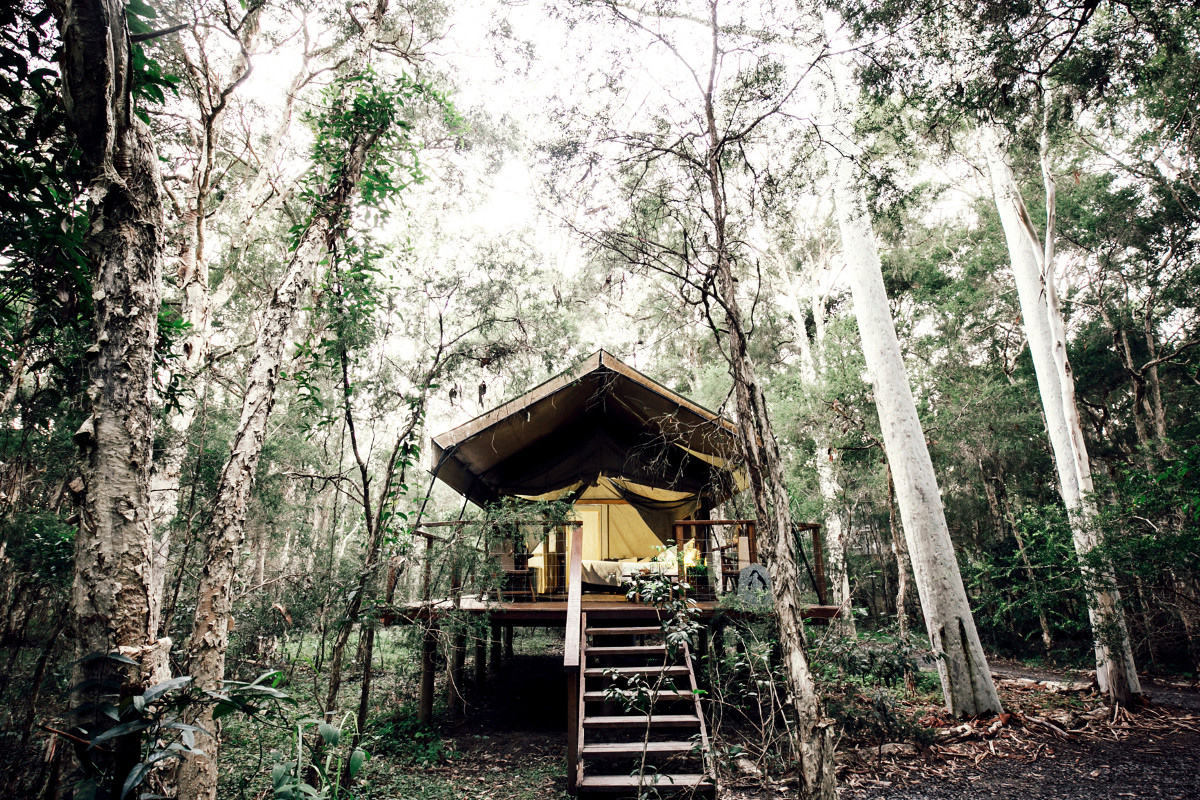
(642,469)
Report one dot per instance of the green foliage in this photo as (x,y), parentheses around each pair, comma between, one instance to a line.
(151,725)
(881,658)
(1009,603)
(404,739)
(367,111)
(862,679)
(41,545)
(45,303)
(319,778)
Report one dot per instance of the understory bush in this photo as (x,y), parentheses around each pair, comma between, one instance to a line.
(400,735)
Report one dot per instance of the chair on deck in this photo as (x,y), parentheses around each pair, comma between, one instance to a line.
(519,581)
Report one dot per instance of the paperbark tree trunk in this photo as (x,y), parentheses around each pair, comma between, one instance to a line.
(812,735)
(814,732)
(1115,670)
(196,306)
(210,632)
(966,679)
(112,604)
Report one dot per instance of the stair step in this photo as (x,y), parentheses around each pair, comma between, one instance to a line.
(602,749)
(642,630)
(662,782)
(629,650)
(662,694)
(599,672)
(640,721)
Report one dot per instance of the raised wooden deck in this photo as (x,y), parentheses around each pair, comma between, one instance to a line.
(552,613)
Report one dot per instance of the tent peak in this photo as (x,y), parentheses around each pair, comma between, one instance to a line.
(602,417)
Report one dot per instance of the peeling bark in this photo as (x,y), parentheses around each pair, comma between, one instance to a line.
(112,602)
(210,633)
(813,735)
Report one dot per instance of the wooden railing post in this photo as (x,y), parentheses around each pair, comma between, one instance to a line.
(819,566)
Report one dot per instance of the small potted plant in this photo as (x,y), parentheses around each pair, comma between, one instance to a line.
(700,579)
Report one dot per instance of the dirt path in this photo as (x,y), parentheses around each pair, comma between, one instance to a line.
(1162,768)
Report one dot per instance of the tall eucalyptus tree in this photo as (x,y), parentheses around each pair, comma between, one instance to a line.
(967,685)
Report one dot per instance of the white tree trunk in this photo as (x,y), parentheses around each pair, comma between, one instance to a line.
(1044,330)
(966,679)
(812,367)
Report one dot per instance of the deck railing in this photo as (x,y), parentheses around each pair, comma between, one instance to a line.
(483,561)
(527,560)
(713,552)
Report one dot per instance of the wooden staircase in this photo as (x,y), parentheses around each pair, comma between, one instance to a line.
(655,741)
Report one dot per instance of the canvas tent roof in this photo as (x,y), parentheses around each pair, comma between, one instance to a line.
(602,419)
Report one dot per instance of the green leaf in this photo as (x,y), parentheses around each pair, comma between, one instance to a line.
(329,733)
(357,759)
(121,730)
(158,690)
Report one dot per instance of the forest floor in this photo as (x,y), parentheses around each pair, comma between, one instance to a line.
(1060,742)
(1057,741)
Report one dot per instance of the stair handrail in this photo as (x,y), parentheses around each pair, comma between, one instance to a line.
(573,656)
(574,599)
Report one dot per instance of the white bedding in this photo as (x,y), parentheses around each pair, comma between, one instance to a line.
(615,573)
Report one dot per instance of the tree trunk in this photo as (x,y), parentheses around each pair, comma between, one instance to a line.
(18,366)
(1115,671)
(966,680)
(903,566)
(196,304)
(210,633)
(112,604)
(1157,412)
(812,737)
(812,366)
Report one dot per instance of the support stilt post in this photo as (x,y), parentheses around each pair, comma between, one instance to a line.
(480,659)
(457,673)
(428,671)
